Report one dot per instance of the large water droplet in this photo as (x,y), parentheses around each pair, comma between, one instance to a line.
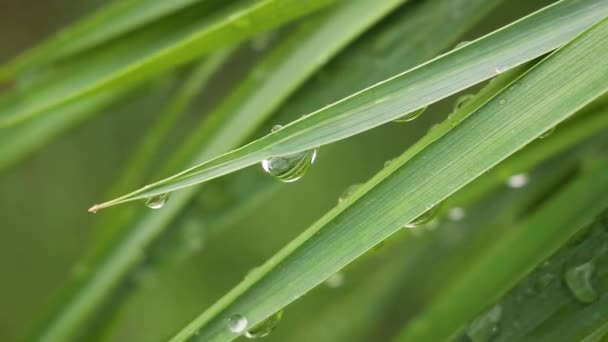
(462,100)
(291,167)
(335,280)
(411,116)
(547,133)
(265,327)
(425,218)
(518,180)
(237,323)
(485,326)
(157,202)
(456,214)
(578,280)
(349,191)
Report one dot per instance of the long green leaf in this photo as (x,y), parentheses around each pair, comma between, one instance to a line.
(170,42)
(111,21)
(517,43)
(538,100)
(524,247)
(114,257)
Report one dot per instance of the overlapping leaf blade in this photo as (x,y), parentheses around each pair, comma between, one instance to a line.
(537,101)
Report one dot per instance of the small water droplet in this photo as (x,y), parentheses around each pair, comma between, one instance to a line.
(265,327)
(462,100)
(349,191)
(157,202)
(335,280)
(543,281)
(578,280)
(461,44)
(485,326)
(388,162)
(423,219)
(237,323)
(502,101)
(500,69)
(412,115)
(289,168)
(547,133)
(519,180)
(456,213)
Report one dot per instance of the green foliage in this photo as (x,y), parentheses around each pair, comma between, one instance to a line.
(504,196)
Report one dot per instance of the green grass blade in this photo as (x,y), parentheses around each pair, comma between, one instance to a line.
(535,102)
(515,44)
(115,257)
(540,307)
(524,247)
(106,23)
(170,42)
(21,140)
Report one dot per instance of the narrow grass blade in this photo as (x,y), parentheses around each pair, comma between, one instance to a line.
(538,100)
(114,257)
(513,45)
(106,23)
(172,41)
(542,307)
(524,247)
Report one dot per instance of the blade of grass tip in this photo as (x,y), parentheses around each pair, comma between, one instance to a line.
(506,48)
(572,133)
(169,42)
(112,20)
(112,263)
(18,142)
(524,247)
(508,122)
(429,26)
(540,307)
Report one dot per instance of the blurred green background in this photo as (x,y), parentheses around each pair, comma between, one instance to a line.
(46,228)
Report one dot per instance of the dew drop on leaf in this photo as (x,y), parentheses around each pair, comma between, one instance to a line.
(349,191)
(335,280)
(237,323)
(412,115)
(518,180)
(578,279)
(291,167)
(462,100)
(423,219)
(547,133)
(485,326)
(265,327)
(157,202)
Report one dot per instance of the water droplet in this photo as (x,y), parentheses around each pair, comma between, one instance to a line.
(462,100)
(461,44)
(335,280)
(519,180)
(456,214)
(502,101)
(237,323)
(485,326)
(425,218)
(500,69)
(578,280)
(291,167)
(276,128)
(265,327)
(543,281)
(411,116)
(157,202)
(388,162)
(547,133)
(349,191)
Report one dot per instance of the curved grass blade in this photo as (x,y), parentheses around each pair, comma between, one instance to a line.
(538,100)
(114,257)
(172,41)
(106,23)
(506,48)
(540,307)
(524,247)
